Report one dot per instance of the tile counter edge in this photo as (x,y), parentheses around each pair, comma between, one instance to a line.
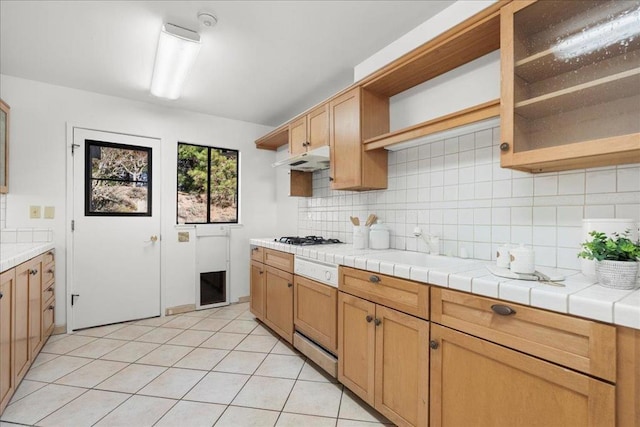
(14,254)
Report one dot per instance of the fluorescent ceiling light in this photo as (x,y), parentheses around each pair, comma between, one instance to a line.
(177,51)
(623,27)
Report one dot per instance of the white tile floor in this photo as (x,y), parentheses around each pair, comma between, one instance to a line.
(211,367)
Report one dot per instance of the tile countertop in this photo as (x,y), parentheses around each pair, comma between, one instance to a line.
(581,295)
(13,254)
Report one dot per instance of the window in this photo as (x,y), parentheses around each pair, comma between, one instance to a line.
(207,184)
(117,179)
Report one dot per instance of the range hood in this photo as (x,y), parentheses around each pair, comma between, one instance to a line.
(307,162)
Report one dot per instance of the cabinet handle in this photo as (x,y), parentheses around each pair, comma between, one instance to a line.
(51,307)
(330,178)
(33,272)
(289,285)
(369,318)
(504,146)
(502,310)
(50,271)
(254,249)
(434,344)
(377,322)
(50,289)
(374,279)
(261,271)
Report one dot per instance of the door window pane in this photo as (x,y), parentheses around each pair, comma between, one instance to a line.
(118,179)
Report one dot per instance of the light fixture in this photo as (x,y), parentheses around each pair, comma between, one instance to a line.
(177,51)
(617,30)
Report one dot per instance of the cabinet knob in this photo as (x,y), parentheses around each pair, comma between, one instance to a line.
(502,310)
(374,279)
(369,318)
(434,344)
(261,271)
(51,307)
(50,289)
(33,272)
(377,322)
(1,295)
(330,178)
(254,249)
(289,285)
(504,146)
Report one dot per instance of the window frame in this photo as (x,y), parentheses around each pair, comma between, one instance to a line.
(209,148)
(88,178)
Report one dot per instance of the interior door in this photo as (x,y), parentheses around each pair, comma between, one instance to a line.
(116,228)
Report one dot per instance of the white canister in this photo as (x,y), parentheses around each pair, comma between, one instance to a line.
(522,260)
(503,257)
(379,236)
(607,226)
(360,237)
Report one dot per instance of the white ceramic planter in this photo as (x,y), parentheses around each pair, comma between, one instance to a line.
(617,274)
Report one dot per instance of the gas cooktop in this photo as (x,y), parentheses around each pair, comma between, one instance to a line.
(307,240)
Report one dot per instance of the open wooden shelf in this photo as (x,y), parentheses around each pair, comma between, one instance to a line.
(274,139)
(473,114)
(465,42)
(595,92)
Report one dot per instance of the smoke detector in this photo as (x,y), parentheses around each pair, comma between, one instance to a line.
(207,19)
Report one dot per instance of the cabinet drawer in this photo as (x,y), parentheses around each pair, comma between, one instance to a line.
(580,344)
(257,253)
(403,295)
(48,257)
(48,317)
(48,273)
(277,259)
(48,292)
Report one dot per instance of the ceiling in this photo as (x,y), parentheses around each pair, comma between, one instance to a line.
(264,62)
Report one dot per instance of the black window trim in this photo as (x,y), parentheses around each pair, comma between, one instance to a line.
(209,148)
(88,178)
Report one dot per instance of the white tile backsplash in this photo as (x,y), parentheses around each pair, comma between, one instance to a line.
(455,189)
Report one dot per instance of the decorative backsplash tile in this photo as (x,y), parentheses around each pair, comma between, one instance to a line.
(455,189)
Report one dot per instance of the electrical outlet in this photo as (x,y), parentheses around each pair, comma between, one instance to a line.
(49,212)
(183,236)
(34,212)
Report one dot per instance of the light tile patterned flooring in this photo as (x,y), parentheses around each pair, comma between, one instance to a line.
(211,367)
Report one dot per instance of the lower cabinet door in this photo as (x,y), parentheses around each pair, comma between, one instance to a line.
(315,312)
(477,383)
(278,313)
(21,326)
(356,345)
(7,380)
(257,291)
(402,367)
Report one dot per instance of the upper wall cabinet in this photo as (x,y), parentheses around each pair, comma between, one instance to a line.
(570,84)
(309,131)
(354,116)
(4,147)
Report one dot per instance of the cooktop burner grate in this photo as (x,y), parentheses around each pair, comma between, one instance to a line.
(306,241)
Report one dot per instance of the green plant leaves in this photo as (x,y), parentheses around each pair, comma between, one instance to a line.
(619,247)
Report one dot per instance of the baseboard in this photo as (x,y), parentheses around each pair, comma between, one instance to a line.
(244,299)
(180,309)
(57,330)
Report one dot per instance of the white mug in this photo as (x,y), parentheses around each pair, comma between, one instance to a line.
(522,260)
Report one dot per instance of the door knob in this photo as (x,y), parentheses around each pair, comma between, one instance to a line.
(152,239)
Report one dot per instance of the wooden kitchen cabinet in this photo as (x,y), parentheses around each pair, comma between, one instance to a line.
(475,382)
(35,306)
(570,95)
(257,291)
(22,355)
(383,358)
(278,311)
(309,131)
(354,116)
(498,363)
(315,312)
(7,372)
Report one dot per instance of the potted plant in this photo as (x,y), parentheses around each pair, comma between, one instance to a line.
(616,258)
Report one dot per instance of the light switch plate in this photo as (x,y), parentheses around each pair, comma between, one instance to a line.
(34,212)
(49,212)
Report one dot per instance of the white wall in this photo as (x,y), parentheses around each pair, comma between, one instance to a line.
(40,113)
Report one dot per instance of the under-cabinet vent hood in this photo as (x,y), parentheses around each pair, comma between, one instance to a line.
(307,162)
